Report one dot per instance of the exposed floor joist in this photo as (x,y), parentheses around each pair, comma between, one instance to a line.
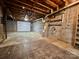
(41,4)
(31,9)
(45,11)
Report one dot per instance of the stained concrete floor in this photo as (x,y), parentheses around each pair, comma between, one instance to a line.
(64,45)
(23,37)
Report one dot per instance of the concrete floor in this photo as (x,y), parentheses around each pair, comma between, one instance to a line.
(23,37)
(64,46)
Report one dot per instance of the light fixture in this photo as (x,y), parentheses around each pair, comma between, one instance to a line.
(23,7)
(26,18)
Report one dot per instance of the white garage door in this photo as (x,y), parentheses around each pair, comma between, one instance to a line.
(23,26)
(38,26)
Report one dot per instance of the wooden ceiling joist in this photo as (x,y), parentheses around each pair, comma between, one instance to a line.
(27,8)
(66,7)
(19,11)
(44,3)
(19,8)
(61,3)
(41,4)
(45,11)
(57,1)
(69,1)
(32,3)
(52,4)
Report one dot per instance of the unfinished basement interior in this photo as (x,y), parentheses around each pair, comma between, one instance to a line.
(39,29)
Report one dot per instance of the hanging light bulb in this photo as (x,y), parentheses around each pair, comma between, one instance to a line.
(26,18)
(23,7)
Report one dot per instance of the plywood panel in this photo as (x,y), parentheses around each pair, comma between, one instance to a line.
(66,32)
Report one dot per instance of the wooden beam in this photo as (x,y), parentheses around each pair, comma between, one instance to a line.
(58,2)
(52,4)
(44,3)
(27,8)
(45,11)
(66,2)
(18,15)
(41,4)
(58,20)
(17,12)
(55,24)
(69,1)
(68,6)
(14,7)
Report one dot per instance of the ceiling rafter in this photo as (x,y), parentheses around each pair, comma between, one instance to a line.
(69,1)
(20,8)
(31,9)
(19,11)
(61,3)
(41,4)
(44,3)
(57,1)
(52,3)
(45,11)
